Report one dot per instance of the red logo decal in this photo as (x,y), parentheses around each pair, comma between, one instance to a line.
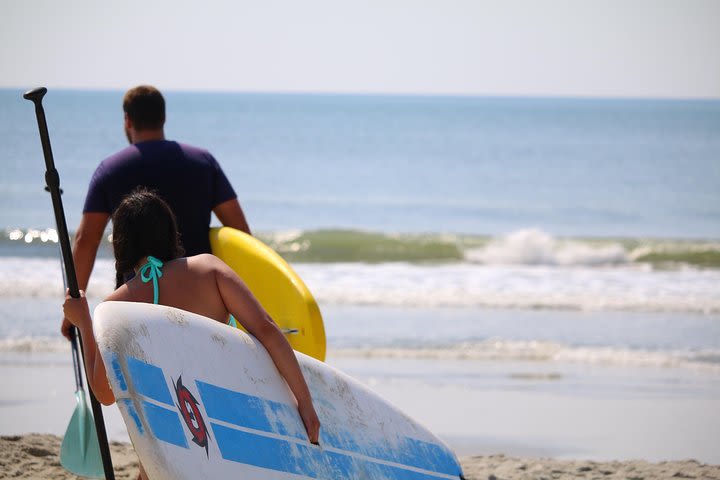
(189,408)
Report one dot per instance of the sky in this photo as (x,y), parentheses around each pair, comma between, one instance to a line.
(603,48)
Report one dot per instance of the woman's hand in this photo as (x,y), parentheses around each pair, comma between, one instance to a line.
(311,421)
(76,310)
(77,313)
(65,328)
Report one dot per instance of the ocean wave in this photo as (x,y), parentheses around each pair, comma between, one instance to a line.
(664,253)
(535,247)
(498,350)
(491,350)
(627,287)
(522,247)
(28,344)
(33,277)
(329,246)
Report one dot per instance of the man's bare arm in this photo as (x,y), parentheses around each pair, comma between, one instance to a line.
(230,214)
(85,246)
(87,241)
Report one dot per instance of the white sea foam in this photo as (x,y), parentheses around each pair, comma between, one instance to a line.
(535,247)
(543,351)
(492,350)
(32,277)
(29,344)
(629,287)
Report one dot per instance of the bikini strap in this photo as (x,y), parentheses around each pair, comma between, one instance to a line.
(152,271)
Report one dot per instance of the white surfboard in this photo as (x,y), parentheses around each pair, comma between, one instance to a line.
(204,400)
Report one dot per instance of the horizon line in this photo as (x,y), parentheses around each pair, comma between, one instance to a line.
(358,93)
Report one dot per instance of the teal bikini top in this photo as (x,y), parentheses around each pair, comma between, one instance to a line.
(152,270)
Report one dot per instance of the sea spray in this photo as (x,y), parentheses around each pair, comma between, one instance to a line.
(535,247)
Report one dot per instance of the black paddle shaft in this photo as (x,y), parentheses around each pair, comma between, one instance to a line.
(52,179)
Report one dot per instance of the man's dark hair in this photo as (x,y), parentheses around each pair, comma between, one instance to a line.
(143,225)
(145,107)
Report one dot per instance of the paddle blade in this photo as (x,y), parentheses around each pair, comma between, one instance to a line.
(80,452)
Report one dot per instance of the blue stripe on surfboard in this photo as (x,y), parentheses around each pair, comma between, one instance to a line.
(250,412)
(165,424)
(256,413)
(291,457)
(118,372)
(266,452)
(363,468)
(133,413)
(405,451)
(149,381)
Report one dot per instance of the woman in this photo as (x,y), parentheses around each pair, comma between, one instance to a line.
(146,243)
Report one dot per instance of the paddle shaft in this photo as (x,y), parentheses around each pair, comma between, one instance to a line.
(52,180)
(76,355)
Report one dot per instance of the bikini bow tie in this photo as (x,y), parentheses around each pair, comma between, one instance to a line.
(151,271)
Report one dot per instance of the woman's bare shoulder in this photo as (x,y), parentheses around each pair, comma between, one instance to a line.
(122,294)
(204,261)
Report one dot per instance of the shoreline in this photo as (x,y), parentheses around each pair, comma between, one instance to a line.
(520,409)
(36,456)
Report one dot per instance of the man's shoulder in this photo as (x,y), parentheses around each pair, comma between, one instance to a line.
(193,151)
(165,149)
(121,156)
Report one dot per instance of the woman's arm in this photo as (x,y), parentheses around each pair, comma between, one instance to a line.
(247,310)
(77,312)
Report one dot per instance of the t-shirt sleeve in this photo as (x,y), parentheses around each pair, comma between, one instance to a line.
(223,191)
(96,200)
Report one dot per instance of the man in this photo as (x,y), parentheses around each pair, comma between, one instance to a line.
(188,178)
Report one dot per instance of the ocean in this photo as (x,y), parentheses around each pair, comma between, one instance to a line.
(561,247)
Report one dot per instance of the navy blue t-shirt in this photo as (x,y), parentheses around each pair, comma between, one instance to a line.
(189,179)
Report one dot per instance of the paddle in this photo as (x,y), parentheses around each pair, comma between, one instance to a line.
(80,451)
(82,457)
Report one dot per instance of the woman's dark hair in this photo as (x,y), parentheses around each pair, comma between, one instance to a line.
(143,224)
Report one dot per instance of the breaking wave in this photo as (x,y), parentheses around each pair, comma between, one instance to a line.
(522,247)
(527,269)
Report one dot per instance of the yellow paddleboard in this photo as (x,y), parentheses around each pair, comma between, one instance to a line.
(277,287)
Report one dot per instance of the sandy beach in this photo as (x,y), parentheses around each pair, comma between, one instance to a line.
(505,428)
(36,456)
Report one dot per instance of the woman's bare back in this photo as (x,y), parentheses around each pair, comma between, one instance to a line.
(187,283)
